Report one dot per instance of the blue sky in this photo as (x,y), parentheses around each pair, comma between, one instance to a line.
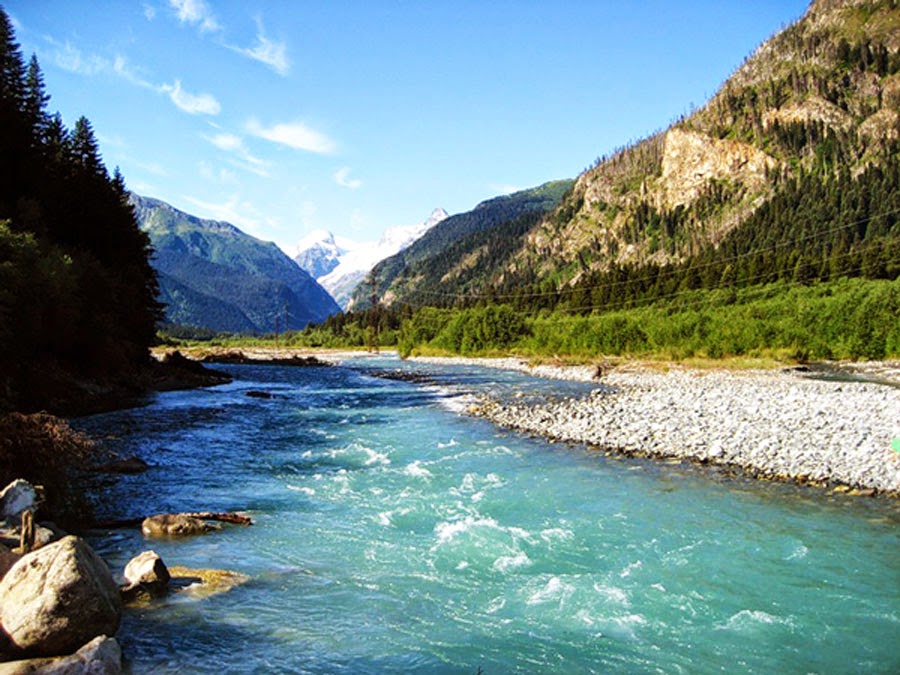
(286,116)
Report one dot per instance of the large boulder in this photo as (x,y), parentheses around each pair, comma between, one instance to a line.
(7,560)
(100,656)
(58,598)
(15,498)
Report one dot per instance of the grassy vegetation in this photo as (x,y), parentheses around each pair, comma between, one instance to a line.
(761,325)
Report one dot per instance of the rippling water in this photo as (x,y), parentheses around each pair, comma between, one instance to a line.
(393,534)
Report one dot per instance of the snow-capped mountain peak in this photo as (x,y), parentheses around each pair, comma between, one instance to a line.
(339,264)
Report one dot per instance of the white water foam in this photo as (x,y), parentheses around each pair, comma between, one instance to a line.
(505,563)
(555,590)
(416,470)
(750,619)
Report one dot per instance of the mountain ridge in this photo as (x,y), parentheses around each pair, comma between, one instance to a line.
(817,104)
(213,275)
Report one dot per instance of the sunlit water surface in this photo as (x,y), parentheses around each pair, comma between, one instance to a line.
(394,534)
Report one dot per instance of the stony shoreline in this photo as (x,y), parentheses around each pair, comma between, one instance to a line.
(778,425)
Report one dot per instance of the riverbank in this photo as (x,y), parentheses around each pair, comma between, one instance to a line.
(780,425)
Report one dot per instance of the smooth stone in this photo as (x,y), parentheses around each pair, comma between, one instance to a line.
(145,574)
(57,598)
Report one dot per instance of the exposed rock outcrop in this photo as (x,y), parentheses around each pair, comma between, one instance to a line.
(174,525)
(691,160)
(145,574)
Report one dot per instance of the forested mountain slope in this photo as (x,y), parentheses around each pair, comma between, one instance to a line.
(458,249)
(789,172)
(213,275)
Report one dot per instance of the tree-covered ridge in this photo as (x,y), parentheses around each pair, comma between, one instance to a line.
(77,292)
(420,270)
(819,100)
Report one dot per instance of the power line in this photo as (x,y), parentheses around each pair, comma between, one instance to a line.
(669,270)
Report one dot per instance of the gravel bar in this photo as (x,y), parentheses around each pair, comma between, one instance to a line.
(770,424)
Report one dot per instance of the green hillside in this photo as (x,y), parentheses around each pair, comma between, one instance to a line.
(787,182)
(212,275)
(466,240)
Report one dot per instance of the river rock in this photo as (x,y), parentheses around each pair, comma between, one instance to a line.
(100,656)
(15,498)
(128,465)
(58,598)
(174,524)
(204,583)
(146,573)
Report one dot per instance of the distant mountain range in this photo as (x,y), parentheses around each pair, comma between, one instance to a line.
(339,264)
(213,275)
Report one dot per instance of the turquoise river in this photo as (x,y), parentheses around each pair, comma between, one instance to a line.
(394,534)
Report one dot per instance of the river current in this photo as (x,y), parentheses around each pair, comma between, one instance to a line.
(394,534)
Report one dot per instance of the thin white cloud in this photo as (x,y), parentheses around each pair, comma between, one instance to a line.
(195,104)
(235,145)
(233,211)
(195,13)
(342,178)
(272,53)
(209,172)
(294,135)
(505,188)
(149,12)
(72,59)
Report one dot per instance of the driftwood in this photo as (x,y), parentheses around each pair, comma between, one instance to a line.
(224,517)
(26,538)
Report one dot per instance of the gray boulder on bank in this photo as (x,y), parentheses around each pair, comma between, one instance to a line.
(100,656)
(16,498)
(58,598)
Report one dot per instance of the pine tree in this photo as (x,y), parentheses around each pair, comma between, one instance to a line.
(35,103)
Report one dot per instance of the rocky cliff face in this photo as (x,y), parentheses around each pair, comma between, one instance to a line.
(692,161)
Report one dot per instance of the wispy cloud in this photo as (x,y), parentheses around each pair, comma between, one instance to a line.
(210,173)
(233,210)
(196,13)
(505,188)
(235,144)
(68,57)
(294,135)
(342,178)
(272,53)
(195,104)
(149,11)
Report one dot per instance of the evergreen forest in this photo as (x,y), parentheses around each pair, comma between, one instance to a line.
(78,297)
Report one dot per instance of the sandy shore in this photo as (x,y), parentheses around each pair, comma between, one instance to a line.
(773,424)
